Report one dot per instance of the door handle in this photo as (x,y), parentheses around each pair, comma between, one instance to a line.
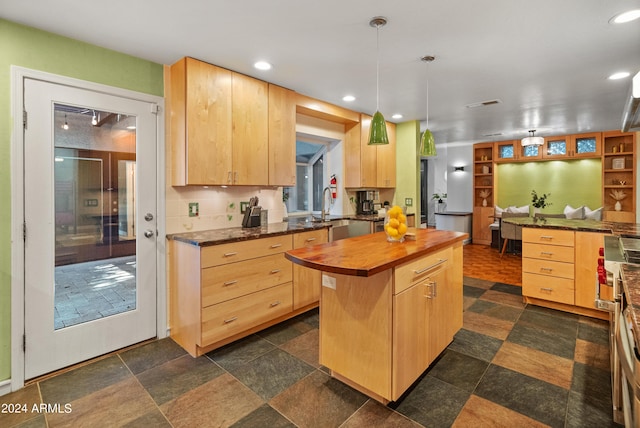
(148,217)
(148,233)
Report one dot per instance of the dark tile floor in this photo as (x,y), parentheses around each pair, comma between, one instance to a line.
(511,365)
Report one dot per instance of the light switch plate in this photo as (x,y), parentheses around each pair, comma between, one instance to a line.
(408,202)
(194,209)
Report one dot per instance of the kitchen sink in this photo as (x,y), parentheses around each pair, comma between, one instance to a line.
(346,228)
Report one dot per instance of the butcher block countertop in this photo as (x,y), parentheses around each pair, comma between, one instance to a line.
(368,255)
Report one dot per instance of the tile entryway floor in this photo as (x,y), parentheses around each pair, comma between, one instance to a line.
(92,290)
(511,365)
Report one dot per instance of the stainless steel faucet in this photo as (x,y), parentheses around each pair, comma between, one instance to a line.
(324,198)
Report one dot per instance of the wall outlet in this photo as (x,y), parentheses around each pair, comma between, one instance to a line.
(408,202)
(194,209)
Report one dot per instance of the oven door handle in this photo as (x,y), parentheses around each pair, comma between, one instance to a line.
(605,305)
(623,352)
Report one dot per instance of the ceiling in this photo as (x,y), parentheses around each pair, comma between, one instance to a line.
(547,61)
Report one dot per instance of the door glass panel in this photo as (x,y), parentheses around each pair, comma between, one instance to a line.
(557,147)
(531,151)
(586,145)
(506,152)
(94,200)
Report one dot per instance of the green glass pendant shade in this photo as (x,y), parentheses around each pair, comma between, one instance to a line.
(378,130)
(427,144)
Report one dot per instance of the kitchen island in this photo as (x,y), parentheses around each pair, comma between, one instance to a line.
(387,310)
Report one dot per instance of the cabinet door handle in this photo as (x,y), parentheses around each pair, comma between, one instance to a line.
(546,289)
(227,321)
(433,285)
(275,271)
(548,237)
(546,269)
(229,179)
(230,254)
(546,253)
(311,239)
(274,304)
(235,177)
(228,283)
(276,245)
(419,271)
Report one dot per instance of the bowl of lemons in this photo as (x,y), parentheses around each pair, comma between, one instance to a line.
(395,224)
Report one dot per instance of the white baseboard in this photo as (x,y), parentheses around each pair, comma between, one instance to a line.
(5,387)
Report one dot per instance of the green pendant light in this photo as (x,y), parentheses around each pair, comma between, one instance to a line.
(378,129)
(427,142)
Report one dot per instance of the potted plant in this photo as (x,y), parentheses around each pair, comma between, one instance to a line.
(439,197)
(539,202)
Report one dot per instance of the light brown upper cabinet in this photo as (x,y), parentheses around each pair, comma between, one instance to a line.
(282,136)
(225,130)
(199,108)
(513,151)
(573,146)
(369,166)
(250,131)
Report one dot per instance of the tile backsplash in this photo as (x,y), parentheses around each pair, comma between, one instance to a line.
(219,207)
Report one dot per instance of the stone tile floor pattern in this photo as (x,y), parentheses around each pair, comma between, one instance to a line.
(510,365)
(93,290)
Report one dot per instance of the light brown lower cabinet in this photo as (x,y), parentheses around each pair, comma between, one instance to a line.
(221,293)
(380,333)
(559,269)
(307,282)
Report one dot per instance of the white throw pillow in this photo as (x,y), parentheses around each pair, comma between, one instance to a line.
(574,213)
(497,211)
(522,209)
(593,215)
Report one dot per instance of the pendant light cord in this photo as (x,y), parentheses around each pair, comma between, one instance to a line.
(428,59)
(378,67)
(427,96)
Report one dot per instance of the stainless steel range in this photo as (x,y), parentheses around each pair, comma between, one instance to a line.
(621,267)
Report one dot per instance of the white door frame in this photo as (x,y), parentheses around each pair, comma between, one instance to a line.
(18,74)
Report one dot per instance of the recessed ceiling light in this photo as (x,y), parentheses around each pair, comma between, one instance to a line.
(262,65)
(619,75)
(397,116)
(348,98)
(627,16)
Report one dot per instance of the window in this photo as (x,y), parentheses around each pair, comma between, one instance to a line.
(306,196)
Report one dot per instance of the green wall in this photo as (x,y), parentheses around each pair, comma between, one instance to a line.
(408,166)
(31,48)
(575,183)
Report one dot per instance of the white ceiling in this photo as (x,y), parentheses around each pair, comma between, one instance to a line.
(546,60)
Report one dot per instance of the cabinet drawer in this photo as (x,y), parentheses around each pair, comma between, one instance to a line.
(548,288)
(313,237)
(409,273)
(548,236)
(216,255)
(235,316)
(221,283)
(548,268)
(548,252)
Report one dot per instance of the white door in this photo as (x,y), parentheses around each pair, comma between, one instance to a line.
(90,222)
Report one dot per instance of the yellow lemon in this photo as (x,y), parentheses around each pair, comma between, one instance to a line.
(402,229)
(392,231)
(402,218)
(394,223)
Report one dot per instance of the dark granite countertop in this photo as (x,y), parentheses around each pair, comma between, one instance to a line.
(234,234)
(619,229)
(291,225)
(631,285)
